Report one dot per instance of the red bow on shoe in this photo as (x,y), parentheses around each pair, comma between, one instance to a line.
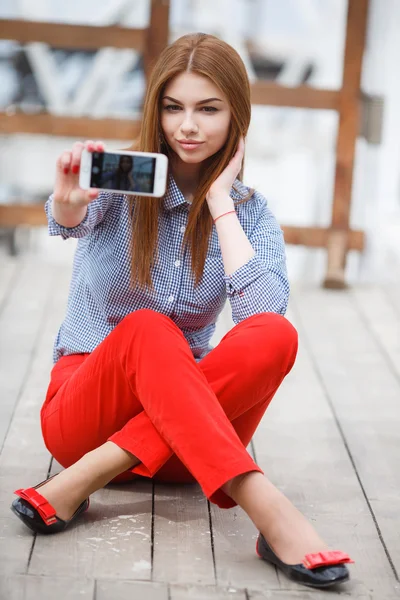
(322,559)
(37,501)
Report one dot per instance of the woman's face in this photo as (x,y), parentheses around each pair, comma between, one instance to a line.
(125,163)
(193,109)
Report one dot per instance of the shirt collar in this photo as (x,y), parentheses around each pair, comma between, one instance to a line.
(174,196)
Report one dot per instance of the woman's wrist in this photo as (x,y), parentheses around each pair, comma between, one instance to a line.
(68,215)
(229,212)
(219,206)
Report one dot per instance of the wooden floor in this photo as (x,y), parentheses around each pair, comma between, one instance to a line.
(330,441)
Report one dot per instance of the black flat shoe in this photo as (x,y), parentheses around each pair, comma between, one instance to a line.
(38,514)
(319,570)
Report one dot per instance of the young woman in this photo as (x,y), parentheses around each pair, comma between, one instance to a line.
(136,389)
(120,178)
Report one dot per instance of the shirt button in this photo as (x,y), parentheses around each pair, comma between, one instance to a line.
(177,263)
(170,299)
(183,229)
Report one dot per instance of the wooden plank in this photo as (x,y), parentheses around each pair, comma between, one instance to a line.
(24,460)
(20,323)
(237,564)
(25,587)
(129,590)
(363,396)
(337,246)
(23,447)
(113,540)
(205,593)
(8,272)
(182,539)
(349,110)
(72,37)
(79,127)
(157,33)
(392,292)
(349,120)
(318,237)
(382,320)
(12,215)
(303,96)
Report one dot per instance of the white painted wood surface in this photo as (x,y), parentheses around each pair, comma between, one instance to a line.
(328,440)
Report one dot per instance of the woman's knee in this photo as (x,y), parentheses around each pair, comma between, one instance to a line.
(277,340)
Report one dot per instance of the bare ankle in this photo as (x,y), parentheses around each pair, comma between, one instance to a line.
(233,486)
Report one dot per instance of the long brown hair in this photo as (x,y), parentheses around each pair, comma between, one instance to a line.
(208,56)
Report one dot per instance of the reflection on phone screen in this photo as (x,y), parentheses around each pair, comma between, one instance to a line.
(123,172)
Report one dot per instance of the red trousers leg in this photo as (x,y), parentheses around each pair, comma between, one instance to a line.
(142,389)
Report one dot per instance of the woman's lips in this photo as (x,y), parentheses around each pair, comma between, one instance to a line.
(190,145)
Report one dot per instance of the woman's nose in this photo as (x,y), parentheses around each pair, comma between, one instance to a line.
(188,124)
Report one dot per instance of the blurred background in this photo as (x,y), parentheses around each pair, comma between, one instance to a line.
(291,152)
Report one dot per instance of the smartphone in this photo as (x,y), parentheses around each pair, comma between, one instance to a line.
(138,173)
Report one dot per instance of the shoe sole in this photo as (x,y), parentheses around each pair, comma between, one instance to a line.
(324,585)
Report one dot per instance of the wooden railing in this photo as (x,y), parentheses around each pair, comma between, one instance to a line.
(338,238)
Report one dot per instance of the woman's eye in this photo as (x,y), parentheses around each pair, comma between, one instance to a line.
(175,108)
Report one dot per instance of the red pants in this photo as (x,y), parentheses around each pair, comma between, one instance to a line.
(142,389)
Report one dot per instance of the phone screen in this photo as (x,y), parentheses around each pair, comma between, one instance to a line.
(122,172)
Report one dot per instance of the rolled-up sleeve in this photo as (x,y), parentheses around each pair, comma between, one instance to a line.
(261,284)
(95,214)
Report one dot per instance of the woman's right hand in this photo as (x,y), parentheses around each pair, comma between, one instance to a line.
(67,193)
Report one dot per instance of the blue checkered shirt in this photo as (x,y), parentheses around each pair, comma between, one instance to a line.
(100,295)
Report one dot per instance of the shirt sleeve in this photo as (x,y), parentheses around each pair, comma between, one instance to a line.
(95,214)
(261,285)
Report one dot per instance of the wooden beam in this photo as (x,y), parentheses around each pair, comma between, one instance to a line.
(77,37)
(338,246)
(12,215)
(319,237)
(78,127)
(111,128)
(157,33)
(349,119)
(303,96)
(350,105)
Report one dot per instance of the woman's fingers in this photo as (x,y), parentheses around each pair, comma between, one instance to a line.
(240,149)
(76,157)
(239,155)
(90,146)
(99,146)
(71,160)
(92,194)
(64,162)
(79,197)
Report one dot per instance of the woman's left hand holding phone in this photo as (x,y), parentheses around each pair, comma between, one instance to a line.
(69,206)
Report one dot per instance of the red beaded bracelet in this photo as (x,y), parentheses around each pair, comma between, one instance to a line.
(227,213)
